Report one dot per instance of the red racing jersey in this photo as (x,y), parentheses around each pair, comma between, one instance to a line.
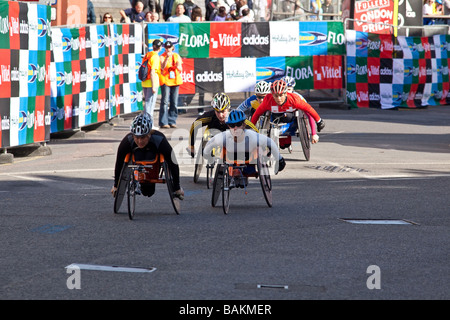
(293,102)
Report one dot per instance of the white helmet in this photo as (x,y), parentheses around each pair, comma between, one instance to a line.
(262,87)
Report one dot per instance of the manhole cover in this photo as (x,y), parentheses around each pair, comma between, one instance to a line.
(379,221)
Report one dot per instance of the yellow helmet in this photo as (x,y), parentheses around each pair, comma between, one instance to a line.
(220,102)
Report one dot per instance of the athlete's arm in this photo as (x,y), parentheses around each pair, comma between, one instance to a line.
(169,156)
(263,107)
(123,149)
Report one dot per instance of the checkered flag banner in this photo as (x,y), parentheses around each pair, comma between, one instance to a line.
(387,72)
(95,74)
(24,73)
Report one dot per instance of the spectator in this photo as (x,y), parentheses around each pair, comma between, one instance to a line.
(260,10)
(151,16)
(91,18)
(245,16)
(327,7)
(108,18)
(179,15)
(221,14)
(167,9)
(151,5)
(135,14)
(189,5)
(175,4)
(250,15)
(171,68)
(151,85)
(197,15)
(209,11)
(429,8)
(316,9)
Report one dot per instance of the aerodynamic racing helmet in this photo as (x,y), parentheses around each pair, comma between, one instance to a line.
(141,125)
(289,81)
(279,87)
(236,116)
(220,102)
(262,87)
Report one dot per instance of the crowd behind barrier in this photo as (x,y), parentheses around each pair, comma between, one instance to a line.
(75,77)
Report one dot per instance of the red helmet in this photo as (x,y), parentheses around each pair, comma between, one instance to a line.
(279,87)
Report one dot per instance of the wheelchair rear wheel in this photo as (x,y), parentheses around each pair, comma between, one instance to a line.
(169,181)
(266,182)
(131,195)
(304,135)
(217,185)
(226,189)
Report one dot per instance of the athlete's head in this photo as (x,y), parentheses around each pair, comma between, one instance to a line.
(262,88)
(140,128)
(221,105)
(236,122)
(290,82)
(279,91)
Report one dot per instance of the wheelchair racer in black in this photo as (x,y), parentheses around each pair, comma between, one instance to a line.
(146,144)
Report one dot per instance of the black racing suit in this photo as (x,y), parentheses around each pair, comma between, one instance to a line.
(158,144)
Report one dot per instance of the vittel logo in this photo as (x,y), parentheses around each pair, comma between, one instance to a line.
(374,71)
(255,40)
(209,77)
(188,76)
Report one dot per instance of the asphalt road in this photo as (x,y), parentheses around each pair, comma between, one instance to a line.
(56,211)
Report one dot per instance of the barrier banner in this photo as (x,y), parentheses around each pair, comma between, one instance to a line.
(24,73)
(255,39)
(95,74)
(387,72)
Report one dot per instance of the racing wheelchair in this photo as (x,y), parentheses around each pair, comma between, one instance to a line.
(280,127)
(200,161)
(136,172)
(230,174)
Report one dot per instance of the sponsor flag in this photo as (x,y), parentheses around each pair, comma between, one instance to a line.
(188,86)
(225,40)
(270,68)
(302,70)
(255,39)
(328,72)
(240,76)
(284,38)
(313,38)
(209,75)
(194,40)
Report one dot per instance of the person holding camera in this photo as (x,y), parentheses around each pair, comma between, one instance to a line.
(171,68)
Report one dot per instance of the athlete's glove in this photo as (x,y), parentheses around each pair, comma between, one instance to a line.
(191,152)
(281,164)
(320,125)
(179,193)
